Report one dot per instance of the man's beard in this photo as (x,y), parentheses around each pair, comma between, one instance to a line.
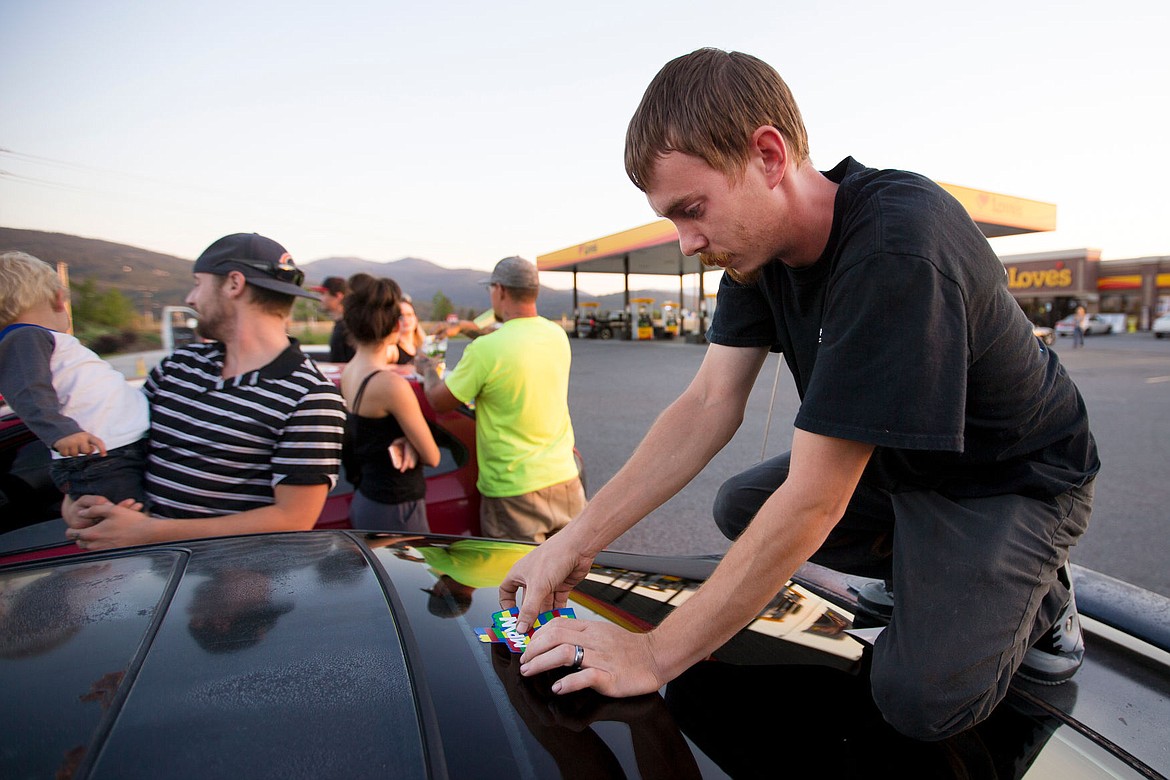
(207,331)
(723,260)
(213,325)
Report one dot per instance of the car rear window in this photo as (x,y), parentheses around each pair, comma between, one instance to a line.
(69,634)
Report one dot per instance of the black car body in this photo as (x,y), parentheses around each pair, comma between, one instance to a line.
(343,654)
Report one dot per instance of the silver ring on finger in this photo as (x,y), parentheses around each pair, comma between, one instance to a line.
(578,658)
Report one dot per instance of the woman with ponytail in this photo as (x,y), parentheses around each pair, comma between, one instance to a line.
(387,439)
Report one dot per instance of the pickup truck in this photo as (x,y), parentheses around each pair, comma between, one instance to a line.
(178,327)
(603,325)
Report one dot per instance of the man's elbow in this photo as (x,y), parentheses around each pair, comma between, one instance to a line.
(298,507)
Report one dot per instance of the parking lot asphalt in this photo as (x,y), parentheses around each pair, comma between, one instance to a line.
(617,389)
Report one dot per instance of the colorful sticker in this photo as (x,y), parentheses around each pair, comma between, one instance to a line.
(503,628)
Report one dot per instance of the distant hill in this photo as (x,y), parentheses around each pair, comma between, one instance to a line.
(421,279)
(146,277)
(153,280)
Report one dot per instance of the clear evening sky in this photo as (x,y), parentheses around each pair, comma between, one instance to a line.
(463,132)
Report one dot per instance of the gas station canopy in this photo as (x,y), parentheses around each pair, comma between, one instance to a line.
(653,248)
(649,249)
(1004,215)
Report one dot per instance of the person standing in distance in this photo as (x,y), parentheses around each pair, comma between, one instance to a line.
(518,376)
(333,291)
(938,444)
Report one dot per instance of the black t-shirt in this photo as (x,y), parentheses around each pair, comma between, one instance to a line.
(904,335)
(340,350)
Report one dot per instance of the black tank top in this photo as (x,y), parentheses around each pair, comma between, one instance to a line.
(380,481)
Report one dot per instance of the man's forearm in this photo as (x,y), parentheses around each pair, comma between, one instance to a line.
(785,533)
(430,376)
(750,575)
(296,509)
(267,519)
(434,388)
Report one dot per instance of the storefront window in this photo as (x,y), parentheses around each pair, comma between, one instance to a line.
(1121,303)
(1046,311)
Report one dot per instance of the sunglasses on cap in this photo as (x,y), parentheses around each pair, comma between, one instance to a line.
(281,272)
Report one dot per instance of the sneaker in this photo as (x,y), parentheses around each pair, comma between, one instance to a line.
(876,599)
(1058,654)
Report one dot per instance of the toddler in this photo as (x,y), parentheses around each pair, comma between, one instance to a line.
(93,421)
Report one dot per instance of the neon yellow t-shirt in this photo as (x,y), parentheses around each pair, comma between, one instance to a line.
(519,379)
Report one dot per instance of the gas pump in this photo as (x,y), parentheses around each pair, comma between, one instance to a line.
(670,319)
(586,322)
(645,325)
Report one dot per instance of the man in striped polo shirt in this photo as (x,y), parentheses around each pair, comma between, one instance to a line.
(245,433)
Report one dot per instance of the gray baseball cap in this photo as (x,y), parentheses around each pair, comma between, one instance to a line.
(514,272)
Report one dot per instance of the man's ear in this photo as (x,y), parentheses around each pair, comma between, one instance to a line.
(770,148)
(234,284)
(60,300)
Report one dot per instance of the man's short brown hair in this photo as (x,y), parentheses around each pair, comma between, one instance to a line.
(708,104)
(270,301)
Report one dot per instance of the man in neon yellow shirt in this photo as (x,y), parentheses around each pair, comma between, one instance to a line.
(518,376)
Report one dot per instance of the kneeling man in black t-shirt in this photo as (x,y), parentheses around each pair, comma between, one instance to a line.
(939,445)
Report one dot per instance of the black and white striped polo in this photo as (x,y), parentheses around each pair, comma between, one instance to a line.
(219,446)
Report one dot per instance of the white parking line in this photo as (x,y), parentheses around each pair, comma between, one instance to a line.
(1153,380)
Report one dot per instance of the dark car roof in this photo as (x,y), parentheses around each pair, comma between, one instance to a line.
(344,654)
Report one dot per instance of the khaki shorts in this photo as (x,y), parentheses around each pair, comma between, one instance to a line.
(532,516)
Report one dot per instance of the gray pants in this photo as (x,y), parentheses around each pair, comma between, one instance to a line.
(366,514)
(975,585)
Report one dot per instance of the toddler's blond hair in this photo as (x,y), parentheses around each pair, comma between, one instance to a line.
(25,282)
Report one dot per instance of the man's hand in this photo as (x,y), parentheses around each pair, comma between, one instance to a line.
(112,525)
(614,662)
(80,443)
(73,512)
(424,364)
(438,396)
(547,574)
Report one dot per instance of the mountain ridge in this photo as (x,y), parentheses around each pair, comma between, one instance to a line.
(154,279)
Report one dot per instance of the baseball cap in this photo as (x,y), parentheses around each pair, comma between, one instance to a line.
(514,272)
(331,284)
(262,261)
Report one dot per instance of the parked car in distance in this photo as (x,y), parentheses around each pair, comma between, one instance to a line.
(603,325)
(1045,334)
(345,654)
(1095,326)
(1161,326)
